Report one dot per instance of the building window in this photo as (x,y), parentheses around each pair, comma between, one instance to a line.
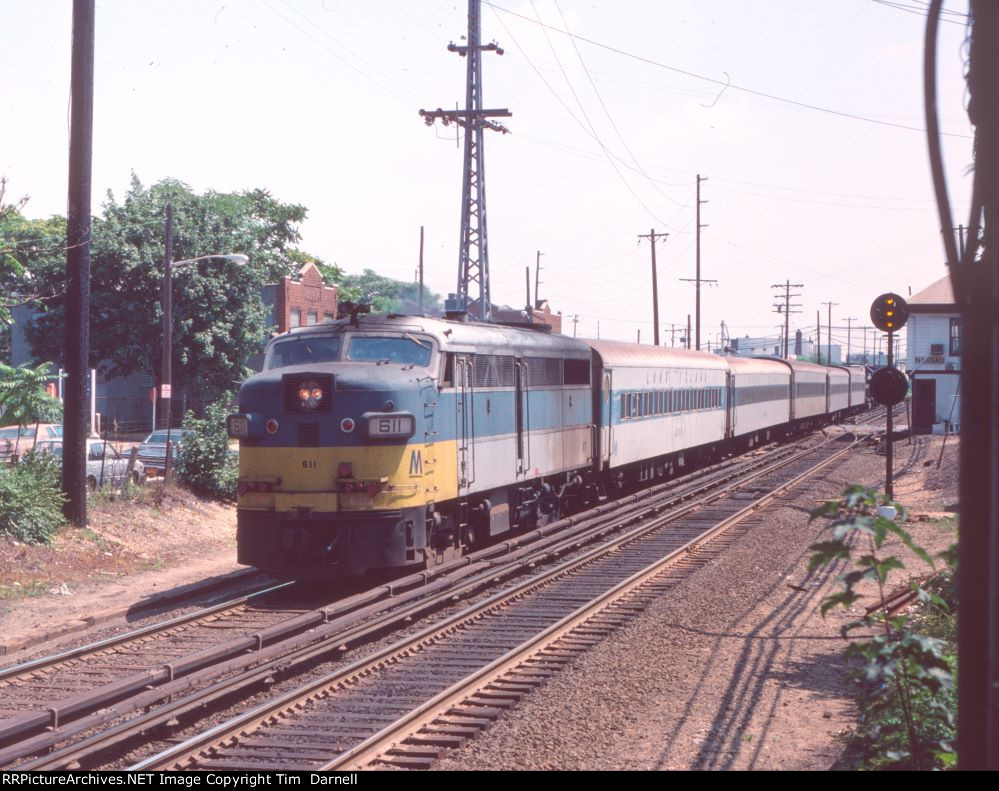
(295,318)
(312,318)
(955,337)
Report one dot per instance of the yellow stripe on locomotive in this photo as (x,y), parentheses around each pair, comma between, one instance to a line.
(329,479)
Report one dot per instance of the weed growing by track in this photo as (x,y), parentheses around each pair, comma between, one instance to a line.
(906,672)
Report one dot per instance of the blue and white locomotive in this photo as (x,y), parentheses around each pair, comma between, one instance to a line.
(396,441)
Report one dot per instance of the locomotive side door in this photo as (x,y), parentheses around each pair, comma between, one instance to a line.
(466,420)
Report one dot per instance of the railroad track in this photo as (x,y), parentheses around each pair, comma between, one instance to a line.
(75,728)
(406,703)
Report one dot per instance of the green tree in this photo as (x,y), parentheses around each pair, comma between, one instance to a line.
(24,399)
(218,317)
(23,244)
(387,295)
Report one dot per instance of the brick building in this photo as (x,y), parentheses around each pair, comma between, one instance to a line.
(299,303)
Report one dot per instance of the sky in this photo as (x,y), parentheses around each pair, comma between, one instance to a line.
(805,119)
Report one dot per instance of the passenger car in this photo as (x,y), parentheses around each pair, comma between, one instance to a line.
(110,469)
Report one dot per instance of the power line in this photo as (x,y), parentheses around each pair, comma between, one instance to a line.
(720,83)
(589,131)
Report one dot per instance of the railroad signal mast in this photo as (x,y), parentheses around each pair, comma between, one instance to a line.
(473,253)
(889,313)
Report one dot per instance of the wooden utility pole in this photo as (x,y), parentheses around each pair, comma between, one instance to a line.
(829,333)
(81,144)
(527,286)
(818,338)
(652,236)
(849,327)
(688,330)
(786,308)
(697,299)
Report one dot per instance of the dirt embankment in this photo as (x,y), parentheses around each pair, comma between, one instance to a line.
(161,538)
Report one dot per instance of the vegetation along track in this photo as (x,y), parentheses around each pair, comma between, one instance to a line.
(405,703)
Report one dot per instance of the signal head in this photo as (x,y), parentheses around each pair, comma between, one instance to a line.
(889,312)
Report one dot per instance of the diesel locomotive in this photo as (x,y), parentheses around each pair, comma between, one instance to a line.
(399,441)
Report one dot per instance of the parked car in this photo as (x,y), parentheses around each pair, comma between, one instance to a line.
(101,469)
(20,439)
(152,451)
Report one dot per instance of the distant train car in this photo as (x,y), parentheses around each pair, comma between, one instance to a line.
(761,399)
(809,392)
(838,402)
(659,407)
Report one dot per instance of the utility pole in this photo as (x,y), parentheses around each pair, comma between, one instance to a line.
(829,333)
(527,286)
(688,330)
(818,338)
(786,308)
(575,321)
(865,344)
(421,270)
(697,298)
(849,327)
(473,251)
(537,276)
(639,338)
(672,330)
(652,236)
(166,372)
(81,144)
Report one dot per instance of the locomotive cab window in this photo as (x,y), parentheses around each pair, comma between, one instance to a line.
(407,350)
(303,351)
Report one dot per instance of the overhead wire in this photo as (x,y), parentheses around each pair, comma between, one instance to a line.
(575,118)
(720,83)
(607,112)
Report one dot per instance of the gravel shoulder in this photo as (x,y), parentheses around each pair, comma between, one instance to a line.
(735,668)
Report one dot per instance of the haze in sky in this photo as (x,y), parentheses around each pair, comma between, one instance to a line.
(805,117)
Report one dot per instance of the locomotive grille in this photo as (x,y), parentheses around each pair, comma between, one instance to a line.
(308,435)
(291,383)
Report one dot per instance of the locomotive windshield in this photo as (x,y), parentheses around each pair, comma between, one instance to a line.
(407,350)
(304,351)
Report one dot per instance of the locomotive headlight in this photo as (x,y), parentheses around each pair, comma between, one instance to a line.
(309,394)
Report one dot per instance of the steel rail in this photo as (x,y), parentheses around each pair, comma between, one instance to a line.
(620,513)
(175,756)
(422,716)
(44,662)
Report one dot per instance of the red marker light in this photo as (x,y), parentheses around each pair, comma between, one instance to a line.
(271,426)
(344,470)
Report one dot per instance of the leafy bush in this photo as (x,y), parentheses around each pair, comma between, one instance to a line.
(906,677)
(205,463)
(31,499)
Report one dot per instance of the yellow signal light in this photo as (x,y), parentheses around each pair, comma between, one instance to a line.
(889,301)
(890,313)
